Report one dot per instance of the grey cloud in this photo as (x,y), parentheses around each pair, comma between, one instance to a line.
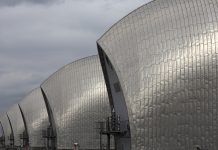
(17,2)
(36,41)
(14,84)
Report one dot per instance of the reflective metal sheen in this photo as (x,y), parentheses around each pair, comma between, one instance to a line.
(6,128)
(36,117)
(165,55)
(17,124)
(1,130)
(78,99)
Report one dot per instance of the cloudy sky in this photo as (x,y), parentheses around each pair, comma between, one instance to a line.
(37,37)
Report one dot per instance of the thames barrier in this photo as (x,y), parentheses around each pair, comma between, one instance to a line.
(152,86)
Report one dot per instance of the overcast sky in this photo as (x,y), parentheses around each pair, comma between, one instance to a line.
(37,37)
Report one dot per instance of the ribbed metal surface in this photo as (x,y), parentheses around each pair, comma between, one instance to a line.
(36,117)
(6,127)
(1,130)
(17,123)
(166,56)
(78,99)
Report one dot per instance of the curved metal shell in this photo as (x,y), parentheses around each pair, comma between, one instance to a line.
(78,99)
(17,124)
(2,138)
(1,130)
(6,128)
(36,117)
(165,55)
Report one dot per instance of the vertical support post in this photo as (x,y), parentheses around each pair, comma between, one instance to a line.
(108,134)
(100,140)
(108,141)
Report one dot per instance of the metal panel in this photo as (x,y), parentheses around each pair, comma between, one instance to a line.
(2,138)
(78,99)
(17,124)
(1,130)
(6,127)
(165,55)
(36,117)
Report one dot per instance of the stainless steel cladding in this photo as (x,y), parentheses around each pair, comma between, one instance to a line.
(78,99)
(165,55)
(36,117)
(2,138)
(1,130)
(6,128)
(17,124)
